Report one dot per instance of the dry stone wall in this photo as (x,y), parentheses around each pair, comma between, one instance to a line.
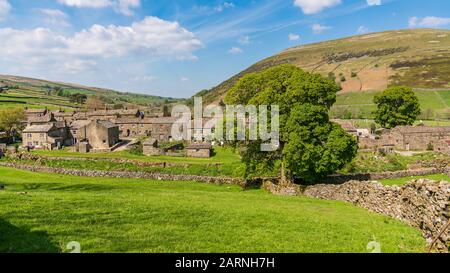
(423,204)
(127,174)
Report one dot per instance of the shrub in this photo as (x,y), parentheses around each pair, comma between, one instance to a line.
(137,149)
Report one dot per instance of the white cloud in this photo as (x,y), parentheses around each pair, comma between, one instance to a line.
(143,41)
(235,50)
(315,6)
(55,17)
(293,37)
(5,8)
(125,6)
(223,6)
(373,2)
(362,30)
(144,78)
(429,21)
(86,3)
(244,40)
(318,28)
(184,79)
(120,6)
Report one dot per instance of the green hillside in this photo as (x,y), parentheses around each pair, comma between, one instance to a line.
(418,58)
(435,104)
(35,93)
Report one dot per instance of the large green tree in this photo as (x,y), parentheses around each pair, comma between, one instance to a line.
(311,146)
(11,120)
(397,106)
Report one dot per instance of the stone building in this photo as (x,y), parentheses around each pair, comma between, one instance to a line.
(41,120)
(161,128)
(102,135)
(418,138)
(112,115)
(199,150)
(78,130)
(150,148)
(35,112)
(133,127)
(47,136)
(63,116)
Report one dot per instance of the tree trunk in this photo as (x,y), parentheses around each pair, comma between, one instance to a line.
(283,179)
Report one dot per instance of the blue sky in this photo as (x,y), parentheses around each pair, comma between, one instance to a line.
(176,48)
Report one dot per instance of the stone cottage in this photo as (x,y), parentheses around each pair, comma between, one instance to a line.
(199,150)
(102,135)
(78,130)
(47,136)
(41,120)
(63,116)
(418,138)
(161,128)
(35,112)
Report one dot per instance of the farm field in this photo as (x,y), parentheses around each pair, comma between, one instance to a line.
(36,93)
(220,156)
(360,105)
(44,212)
(225,162)
(404,180)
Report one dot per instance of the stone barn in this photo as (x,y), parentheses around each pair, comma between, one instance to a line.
(418,138)
(78,130)
(200,150)
(102,135)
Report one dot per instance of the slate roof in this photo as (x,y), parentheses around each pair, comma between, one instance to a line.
(45,128)
(199,146)
(106,124)
(79,124)
(42,119)
(35,111)
(422,129)
(150,142)
(163,120)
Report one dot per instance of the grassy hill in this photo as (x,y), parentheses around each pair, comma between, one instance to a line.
(35,93)
(369,63)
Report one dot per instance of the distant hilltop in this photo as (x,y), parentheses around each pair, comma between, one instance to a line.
(418,58)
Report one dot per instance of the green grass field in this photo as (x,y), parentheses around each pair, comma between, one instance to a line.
(220,156)
(404,180)
(360,105)
(126,215)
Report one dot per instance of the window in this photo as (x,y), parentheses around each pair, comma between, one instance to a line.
(104,141)
(29,135)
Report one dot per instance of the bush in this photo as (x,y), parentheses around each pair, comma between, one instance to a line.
(343,79)
(137,149)
(354,74)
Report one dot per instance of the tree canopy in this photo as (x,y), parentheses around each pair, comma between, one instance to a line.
(310,145)
(11,120)
(397,106)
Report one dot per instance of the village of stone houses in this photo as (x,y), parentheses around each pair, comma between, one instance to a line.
(361,162)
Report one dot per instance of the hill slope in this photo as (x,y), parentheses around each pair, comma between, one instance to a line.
(418,58)
(36,93)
